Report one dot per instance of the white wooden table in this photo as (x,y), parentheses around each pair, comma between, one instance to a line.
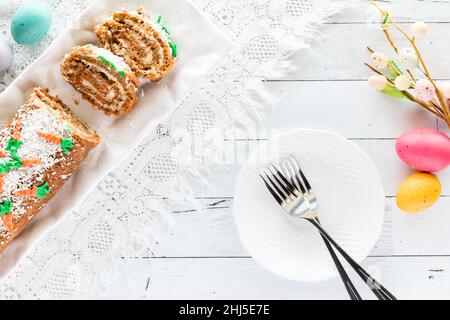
(203,258)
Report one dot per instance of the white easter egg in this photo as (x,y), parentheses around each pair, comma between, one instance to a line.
(407,58)
(419,29)
(402,83)
(6,54)
(378,81)
(445,89)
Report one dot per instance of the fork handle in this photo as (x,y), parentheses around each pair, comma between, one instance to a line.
(381,292)
(352,292)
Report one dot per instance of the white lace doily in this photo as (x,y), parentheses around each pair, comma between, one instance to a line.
(130,213)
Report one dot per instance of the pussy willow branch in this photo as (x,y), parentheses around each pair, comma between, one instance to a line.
(411,75)
(389,38)
(409,95)
(442,101)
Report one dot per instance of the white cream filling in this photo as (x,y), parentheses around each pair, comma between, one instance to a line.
(117,61)
(88,84)
(155,25)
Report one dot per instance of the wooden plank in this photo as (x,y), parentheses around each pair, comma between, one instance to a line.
(211,232)
(205,233)
(242,278)
(392,170)
(352,109)
(340,56)
(403,10)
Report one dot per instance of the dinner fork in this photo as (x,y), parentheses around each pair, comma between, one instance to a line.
(310,200)
(290,188)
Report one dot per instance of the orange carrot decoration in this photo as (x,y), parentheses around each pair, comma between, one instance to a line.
(50,137)
(26,193)
(17,130)
(65,144)
(2,181)
(2,153)
(7,220)
(39,192)
(30,162)
(6,215)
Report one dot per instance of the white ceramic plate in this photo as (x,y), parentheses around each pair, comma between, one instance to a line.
(201,46)
(351,205)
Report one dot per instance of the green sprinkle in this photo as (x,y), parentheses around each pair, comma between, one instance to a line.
(13,145)
(165,30)
(108,62)
(42,191)
(122,74)
(4,168)
(5,207)
(66,145)
(159,19)
(16,162)
(386,19)
(173,46)
(68,128)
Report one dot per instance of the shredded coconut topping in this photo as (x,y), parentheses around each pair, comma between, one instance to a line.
(117,61)
(34,116)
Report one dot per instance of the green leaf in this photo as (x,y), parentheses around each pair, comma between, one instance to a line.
(390,72)
(13,145)
(173,46)
(16,162)
(393,92)
(386,20)
(66,145)
(4,168)
(5,207)
(42,191)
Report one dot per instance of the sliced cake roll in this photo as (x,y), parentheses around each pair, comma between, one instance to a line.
(40,148)
(144,43)
(102,78)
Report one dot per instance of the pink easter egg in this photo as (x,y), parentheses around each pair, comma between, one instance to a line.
(424,149)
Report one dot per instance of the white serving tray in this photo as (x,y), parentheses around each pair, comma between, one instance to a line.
(200,45)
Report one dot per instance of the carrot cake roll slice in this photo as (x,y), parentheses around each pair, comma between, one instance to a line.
(144,43)
(102,78)
(40,149)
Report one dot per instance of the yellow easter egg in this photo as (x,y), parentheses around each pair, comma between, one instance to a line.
(418,192)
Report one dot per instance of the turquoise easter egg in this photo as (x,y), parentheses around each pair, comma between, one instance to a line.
(31,22)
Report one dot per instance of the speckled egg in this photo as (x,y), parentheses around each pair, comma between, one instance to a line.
(31,22)
(6,54)
(424,149)
(424,90)
(418,192)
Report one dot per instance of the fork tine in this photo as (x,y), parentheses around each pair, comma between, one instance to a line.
(285,171)
(286,185)
(296,182)
(284,190)
(279,183)
(303,178)
(274,194)
(283,194)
